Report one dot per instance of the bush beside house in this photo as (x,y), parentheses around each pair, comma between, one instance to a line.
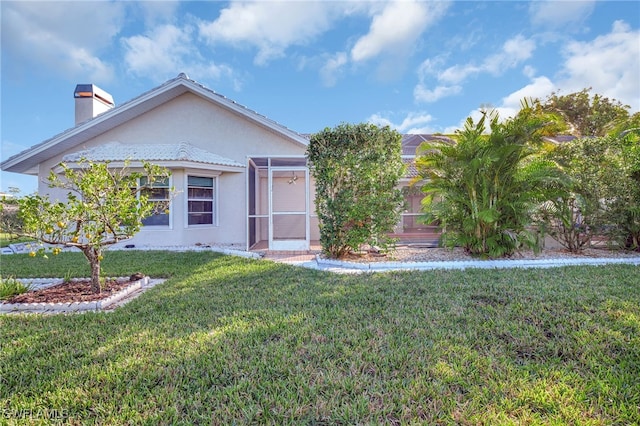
(357,169)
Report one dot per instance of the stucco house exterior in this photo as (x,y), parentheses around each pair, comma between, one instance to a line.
(240,178)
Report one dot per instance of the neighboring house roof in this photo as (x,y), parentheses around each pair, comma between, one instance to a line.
(410,143)
(181,152)
(28,160)
(412,171)
(560,138)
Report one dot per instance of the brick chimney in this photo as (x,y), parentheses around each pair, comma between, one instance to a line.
(91,101)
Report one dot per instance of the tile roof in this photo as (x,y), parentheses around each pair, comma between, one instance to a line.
(560,138)
(410,142)
(412,171)
(116,151)
(28,160)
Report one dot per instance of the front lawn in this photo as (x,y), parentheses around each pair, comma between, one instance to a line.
(227,340)
(6,239)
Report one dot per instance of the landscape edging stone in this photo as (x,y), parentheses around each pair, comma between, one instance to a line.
(481,264)
(97,305)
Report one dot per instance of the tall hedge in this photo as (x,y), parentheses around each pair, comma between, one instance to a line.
(357,169)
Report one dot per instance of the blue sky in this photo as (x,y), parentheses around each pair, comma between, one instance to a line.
(421,67)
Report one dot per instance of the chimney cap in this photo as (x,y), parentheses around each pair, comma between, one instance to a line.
(93,91)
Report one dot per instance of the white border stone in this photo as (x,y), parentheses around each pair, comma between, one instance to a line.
(336,265)
(58,308)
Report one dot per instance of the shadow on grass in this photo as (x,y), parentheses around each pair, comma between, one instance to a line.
(257,342)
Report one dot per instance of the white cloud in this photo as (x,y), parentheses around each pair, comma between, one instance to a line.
(422,94)
(381,121)
(395,32)
(458,73)
(271,26)
(419,122)
(398,26)
(332,68)
(423,91)
(274,27)
(560,14)
(514,51)
(64,38)
(166,51)
(435,84)
(413,122)
(540,88)
(529,71)
(610,64)
(160,51)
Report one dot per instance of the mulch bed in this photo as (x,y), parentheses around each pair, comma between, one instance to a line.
(72,291)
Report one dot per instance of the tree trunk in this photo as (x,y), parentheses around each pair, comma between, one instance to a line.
(95,277)
(93,256)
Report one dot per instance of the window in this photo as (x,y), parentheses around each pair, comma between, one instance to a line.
(411,216)
(158,194)
(200,200)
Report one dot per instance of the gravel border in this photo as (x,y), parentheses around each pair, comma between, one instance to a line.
(418,258)
(336,265)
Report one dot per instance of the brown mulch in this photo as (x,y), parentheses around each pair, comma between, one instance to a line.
(71,291)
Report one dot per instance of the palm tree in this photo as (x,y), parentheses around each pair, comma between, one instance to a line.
(483,188)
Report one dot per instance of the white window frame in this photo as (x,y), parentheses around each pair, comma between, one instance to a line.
(170,201)
(214,212)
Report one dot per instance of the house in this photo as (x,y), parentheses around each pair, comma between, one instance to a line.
(240,178)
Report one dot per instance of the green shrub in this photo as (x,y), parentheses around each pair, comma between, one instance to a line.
(603,197)
(357,169)
(10,287)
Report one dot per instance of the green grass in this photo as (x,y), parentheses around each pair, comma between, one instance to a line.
(10,287)
(6,239)
(227,340)
(156,264)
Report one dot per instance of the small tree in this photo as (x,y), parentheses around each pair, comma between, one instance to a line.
(622,209)
(357,169)
(603,197)
(576,214)
(587,115)
(103,206)
(9,221)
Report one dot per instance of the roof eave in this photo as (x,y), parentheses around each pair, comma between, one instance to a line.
(169,164)
(31,157)
(74,136)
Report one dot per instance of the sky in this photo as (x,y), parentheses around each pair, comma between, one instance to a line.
(417,66)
